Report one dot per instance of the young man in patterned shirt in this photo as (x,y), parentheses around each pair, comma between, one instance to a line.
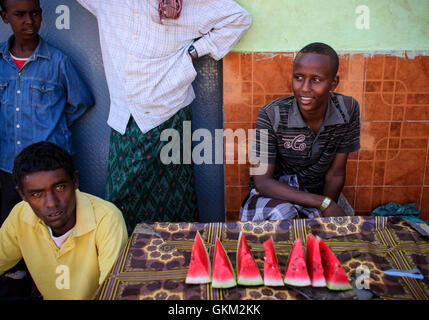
(310,135)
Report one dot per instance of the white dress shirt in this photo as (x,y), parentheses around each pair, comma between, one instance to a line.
(148,69)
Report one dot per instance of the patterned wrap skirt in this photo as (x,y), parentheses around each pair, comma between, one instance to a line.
(141,185)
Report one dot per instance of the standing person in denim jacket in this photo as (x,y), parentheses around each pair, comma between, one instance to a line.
(41,93)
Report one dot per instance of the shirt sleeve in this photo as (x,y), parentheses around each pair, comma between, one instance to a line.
(90,5)
(265,140)
(351,141)
(10,253)
(79,97)
(111,238)
(222,23)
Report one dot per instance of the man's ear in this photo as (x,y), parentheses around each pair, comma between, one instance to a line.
(21,193)
(3,16)
(335,82)
(76,180)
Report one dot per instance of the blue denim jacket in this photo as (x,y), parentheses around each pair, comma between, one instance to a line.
(38,102)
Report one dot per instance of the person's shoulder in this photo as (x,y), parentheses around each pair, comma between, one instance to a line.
(282,102)
(54,53)
(350,102)
(21,212)
(3,44)
(102,208)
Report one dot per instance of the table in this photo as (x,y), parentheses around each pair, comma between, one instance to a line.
(154,263)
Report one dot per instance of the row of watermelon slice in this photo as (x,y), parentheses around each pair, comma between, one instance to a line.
(325,268)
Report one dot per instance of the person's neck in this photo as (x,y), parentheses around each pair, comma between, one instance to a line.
(314,119)
(24,48)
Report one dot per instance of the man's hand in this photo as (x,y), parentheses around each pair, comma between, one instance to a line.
(334,210)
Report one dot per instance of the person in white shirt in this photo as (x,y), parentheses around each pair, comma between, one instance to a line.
(147,48)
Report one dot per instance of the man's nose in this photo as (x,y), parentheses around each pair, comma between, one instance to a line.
(28,19)
(306,86)
(51,200)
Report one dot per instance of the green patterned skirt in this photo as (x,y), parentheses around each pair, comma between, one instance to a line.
(144,188)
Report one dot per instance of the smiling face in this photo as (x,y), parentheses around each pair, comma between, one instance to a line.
(51,195)
(313,79)
(25,18)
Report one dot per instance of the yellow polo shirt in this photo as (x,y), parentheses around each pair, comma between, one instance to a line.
(79,267)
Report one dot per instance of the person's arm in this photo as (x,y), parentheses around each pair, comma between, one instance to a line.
(10,253)
(90,5)
(336,177)
(222,23)
(111,238)
(269,187)
(79,97)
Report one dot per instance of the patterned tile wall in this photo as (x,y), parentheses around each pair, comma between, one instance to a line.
(393,93)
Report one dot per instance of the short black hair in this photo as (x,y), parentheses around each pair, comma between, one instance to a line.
(3,4)
(41,156)
(323,48)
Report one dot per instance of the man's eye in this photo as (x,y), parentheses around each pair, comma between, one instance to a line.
(316,80)
(36,194)
(298,77)
(61,187)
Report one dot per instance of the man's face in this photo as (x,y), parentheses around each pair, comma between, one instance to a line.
(312,81)
(24,16)
(51,195)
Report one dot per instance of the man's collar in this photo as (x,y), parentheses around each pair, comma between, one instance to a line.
(85,216)
(333,115)
(41,51)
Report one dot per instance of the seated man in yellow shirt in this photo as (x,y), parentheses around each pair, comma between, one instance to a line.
(68,239)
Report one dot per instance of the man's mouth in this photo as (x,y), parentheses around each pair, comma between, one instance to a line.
(55,214)
(28,31)
(306,99)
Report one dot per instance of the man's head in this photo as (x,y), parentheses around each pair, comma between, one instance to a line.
(24,17)
(314,76)
(46,178)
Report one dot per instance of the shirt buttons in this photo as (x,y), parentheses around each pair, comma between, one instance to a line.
(17,109)
(137,15)
(18,126)
(18,142)
(135,37)
(18,92)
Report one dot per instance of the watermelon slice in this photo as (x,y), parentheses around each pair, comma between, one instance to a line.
(272,275)
(314,262)
(296,270)
(199,271)
(223,274)
(335,275)
(247,271)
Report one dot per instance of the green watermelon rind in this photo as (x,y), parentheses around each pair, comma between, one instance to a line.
(223,284)
(297,281)
(243,279)
(202,277)
(332,284)
(272,281)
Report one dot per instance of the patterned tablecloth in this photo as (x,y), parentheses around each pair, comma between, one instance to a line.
(155,262)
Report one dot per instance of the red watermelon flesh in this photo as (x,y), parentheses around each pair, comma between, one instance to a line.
(272,275)
(314,262)
(247,270)
(296,270)
(223,274)
(335,275)
(199,270)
